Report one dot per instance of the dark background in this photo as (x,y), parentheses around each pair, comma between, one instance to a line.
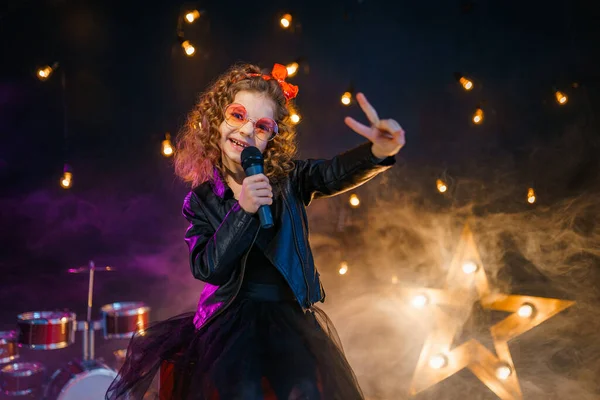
(128,82)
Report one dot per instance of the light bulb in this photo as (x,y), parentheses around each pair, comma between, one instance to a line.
(44,73)
(526,310)
(531,196)
(469,267)
(503,372)
(478,116)
(466,83)
(438,361)
(66,180)
(561,97)
(441,186)
(192,16)
(286,21)
(295,118)
(292,68)
(188,48)
(354,200)
(419,301)
(343,268)
(346,98)
(167,147)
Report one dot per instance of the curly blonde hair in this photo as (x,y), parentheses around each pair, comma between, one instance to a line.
(198,153)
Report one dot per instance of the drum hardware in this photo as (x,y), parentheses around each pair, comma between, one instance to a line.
(9,350)
(24,379)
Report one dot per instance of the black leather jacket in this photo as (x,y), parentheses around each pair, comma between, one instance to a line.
(221,233)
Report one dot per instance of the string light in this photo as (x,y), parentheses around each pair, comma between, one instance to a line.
(343,268)
(478,116)
(354,201)
(561,98)
(441,186)
(292,68)
(167,146)
(66,181)
(188,48)
(531,196)
(46,71)
(346,98)
(286,21)
(466,83)
(295,118)
(191,16)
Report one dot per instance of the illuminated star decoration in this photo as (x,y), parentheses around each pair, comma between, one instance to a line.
(438,360)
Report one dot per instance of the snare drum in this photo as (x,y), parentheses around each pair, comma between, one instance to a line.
(122,320)
(9,350)
(46,330)
(80,380)
(22,379)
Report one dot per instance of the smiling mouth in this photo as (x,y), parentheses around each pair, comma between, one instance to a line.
(238,143)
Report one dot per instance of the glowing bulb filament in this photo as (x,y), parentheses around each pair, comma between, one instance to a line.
(44,73)
(295,118)
(343,268)
(441,186)
(354,200)
(66,180)
(167,147)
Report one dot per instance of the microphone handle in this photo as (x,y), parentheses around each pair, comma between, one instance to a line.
(264,211)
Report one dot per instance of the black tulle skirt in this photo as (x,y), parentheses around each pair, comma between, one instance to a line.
(261,347)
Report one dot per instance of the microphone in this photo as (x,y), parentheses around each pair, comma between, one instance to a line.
(252,162)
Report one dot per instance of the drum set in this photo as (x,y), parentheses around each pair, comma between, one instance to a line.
(83,378)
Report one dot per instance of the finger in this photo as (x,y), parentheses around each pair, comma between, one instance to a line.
(257,178)
(259,201)
(359,128)
(259,185)
(390,128)
(368,109)
(263,193)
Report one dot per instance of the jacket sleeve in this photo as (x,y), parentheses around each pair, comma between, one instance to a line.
(214,254)
(315,179)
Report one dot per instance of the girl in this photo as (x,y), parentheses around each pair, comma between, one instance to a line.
(256,333)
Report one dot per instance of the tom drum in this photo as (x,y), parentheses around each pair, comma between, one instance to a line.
(122,320)
(46,330)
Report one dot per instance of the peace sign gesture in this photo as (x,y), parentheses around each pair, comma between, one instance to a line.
(386,135)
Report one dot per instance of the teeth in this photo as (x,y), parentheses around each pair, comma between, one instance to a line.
(238,143)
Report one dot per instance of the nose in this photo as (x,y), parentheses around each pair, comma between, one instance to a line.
(247,129)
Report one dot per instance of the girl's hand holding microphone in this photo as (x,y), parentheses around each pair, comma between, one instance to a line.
(256,191)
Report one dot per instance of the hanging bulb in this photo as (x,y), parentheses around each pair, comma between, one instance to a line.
(343,268)
(503,371)
(286,21)
(66,180)
(438,361)
(466,83)
(469,267)
(346,98)
(526,310)
(292,68)
(191,16)
(188,48)
(478,116)
(167,146)
(441,186)
(44,72)
(561,98)
(531,196)
(354,201)
(295,118)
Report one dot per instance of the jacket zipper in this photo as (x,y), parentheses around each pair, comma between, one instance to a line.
(239,286)
(298,251)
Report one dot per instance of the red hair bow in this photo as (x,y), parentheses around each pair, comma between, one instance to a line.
(279,73)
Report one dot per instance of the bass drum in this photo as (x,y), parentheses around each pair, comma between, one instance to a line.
(80,380)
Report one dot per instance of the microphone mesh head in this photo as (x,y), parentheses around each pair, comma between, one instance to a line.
(251,156)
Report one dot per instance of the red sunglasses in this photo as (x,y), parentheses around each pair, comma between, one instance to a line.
(236,116)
